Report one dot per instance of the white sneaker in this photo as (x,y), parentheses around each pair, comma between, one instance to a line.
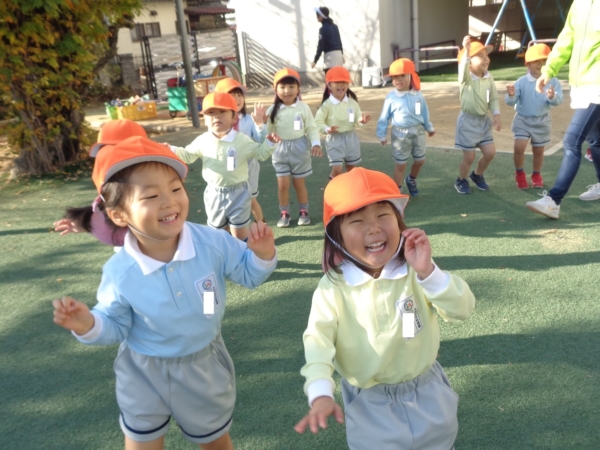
(544,206)
(592,193)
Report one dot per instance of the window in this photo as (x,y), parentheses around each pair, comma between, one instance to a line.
(140,30)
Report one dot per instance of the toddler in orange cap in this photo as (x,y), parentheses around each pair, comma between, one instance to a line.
(478,96)
(373,320)
(337,117)
(225,154)
(91,219)
(252,125)
(292,120)
(407,109)
(532,118)
(162,297)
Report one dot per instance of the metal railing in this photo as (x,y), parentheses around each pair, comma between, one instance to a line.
(428,49)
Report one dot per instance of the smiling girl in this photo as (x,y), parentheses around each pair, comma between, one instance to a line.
(163,298)
(337,117)
(373,321)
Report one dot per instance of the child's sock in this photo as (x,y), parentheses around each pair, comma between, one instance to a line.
(400,189)
(412,178)
(303,206)
(535,173)
(285,208)
(520,170)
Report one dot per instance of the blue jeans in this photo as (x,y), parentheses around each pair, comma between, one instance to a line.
(585,124)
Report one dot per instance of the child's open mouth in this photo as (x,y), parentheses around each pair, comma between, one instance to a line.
(376,247)
(169,219)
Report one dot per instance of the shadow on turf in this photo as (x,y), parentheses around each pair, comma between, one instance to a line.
(30,231)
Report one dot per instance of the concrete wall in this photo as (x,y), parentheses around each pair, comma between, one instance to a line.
(394,19)
(277,33)
(165,16)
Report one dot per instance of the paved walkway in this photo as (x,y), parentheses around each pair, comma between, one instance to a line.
(442,99)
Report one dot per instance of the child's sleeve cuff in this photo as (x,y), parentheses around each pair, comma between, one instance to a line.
(316,142)
(263,264)
(318,388)
(436,282)
(94,333)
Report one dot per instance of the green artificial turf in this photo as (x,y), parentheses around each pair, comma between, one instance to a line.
(525,365)
(503,66)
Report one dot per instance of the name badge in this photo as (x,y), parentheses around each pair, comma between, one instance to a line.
(351,115)
(298,123)
(209,302)
(487,95)
(418,108)
(231,159)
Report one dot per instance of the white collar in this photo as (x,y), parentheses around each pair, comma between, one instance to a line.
(185,251)
(355,276)
(531,78)
(475,77)
(293,105)
(229,137)
(335,101)
(403,93)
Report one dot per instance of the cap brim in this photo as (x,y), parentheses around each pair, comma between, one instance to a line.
(398,202)
(96,148)
(179,166)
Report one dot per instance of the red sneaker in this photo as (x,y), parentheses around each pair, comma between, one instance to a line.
(521,179)
(537,181)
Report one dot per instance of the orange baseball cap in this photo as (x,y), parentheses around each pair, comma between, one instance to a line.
(115,131)
(133,150)
(358,188)
(402,66)
(219,100)
(537,52)
(284,73)
(476,47)
(338,74)
(229,84)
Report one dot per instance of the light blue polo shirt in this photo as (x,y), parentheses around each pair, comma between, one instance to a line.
(247,126)
(401,107)
(528,102)
(156,307)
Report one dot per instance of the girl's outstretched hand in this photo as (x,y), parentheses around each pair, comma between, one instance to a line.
(259,113)
(322,408)
(66,226)
(417,251)
(73,315)
(261,241)
(273,138)
(365,118)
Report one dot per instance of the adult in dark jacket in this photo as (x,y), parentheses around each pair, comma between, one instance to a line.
(330,42)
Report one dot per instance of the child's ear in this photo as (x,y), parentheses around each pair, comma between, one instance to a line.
(119,218)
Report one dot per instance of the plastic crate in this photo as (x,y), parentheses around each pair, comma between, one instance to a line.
(204,86)
(139,111)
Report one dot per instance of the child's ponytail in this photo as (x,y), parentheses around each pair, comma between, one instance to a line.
(82,217)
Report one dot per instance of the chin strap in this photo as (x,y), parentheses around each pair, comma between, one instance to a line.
(343,250)
(145,235)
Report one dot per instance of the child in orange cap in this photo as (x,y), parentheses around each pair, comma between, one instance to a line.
(478,96)
(407,109)
(225,154)
(252,125)
(532,119)
(337,117)
(162,297)
(292,120)
(373,320)
(91,219)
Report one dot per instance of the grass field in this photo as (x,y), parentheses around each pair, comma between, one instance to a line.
(525,365)
(503,66)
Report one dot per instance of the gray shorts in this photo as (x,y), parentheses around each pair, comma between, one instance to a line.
(536,128)
(418,414)
(228,206)
(407,142)
(473,131)
(343,148)
(292,158)
(253,173)
(198,390)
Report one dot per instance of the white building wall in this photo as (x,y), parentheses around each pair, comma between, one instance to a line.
(277,33)
(166,16)
(394,16)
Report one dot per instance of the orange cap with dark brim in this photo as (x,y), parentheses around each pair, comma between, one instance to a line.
(131,151)
(358,188)
(116,131)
